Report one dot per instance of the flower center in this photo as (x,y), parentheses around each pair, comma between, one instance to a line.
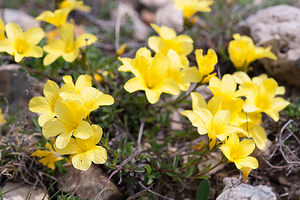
(21,46)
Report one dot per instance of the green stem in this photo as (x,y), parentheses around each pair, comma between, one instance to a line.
(182,97)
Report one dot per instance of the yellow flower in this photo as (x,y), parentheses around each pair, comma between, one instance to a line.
(225,87)
(90,97)
(121,50)
(182,75)
(82,82)
(151,75)
(191,7)
(57,18)
(242,52)
(206,65)
(45,105)
(242,78)
(69,122)
(2,30)
(67,46)
(2,119)
(247,124)
(48,157)
(202,116)
(262,98)
(74,5)
(19,44)
(238,152)
(84,152)
(168,39)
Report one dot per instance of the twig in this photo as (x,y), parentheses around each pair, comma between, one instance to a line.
(139,141)
(120,166)
(281,142)
(117,29)
(104,24)
(152,192)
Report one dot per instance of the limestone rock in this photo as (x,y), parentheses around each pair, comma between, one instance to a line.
(241,191)
(141,30)
(154,3)
(211,160)
(278,26)
(18,87)
(16,191)
(88,184)
(169,16)
(20,17)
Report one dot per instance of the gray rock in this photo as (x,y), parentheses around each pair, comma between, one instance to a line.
(20,17)
(17,191)
(236,190)
(18,87)
(278,26)
(155,3)
(88,184)
(169,16)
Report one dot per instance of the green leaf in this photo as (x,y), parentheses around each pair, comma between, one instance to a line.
(148,168)
(203,190)
(175,161)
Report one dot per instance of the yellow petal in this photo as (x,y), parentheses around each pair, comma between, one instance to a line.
(67,33)
(6,46)
(279,104)
(82,82)
(71,56)
(50,58)
(152,95)
(221,119)
(259,136)
(71,148)
(98,155)
(154,42)
(97,134)
(168,86)
(226,151)
(34,35)
(205,116)
(63,140)
(18,57)
(44,118)
(51,91)
(249,161)
(241,77)
(13,31)
(228,85)
(191,75)
(81,161)
(194,118)
(39,105)
(83,130)
(52,128)
(85,40)
(55,47)
(247,146)
(35,52)
(134,84)
(198,101)
(126,67)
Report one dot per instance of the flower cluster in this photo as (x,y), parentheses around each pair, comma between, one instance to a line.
(64,114)
(168,71)
(191,7)
(235,112)
(242,52)
(18,43)
(67,45)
